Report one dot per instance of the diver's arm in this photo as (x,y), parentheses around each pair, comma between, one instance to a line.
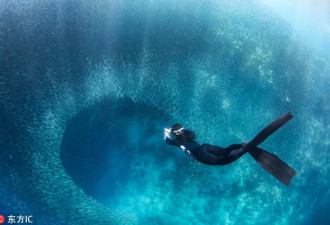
(168,139)
(171,141)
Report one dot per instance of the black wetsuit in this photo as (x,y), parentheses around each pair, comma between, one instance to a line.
(208,154)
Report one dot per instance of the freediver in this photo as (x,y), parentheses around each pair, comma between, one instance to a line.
(215,155)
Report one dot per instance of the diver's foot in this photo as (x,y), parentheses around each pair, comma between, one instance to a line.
(240,150)
(244,143)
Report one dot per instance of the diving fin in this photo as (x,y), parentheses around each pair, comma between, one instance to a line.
(267,131)
(273,165)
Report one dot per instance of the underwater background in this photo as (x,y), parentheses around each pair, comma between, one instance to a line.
(86,88)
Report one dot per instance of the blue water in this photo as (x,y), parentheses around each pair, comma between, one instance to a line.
(86,88)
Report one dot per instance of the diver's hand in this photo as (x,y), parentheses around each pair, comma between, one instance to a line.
(167,133)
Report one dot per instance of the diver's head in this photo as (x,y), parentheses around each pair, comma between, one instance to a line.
(177,129)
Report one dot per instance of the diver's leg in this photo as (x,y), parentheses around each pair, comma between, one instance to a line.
(235,151)
(203,154)
(214,155)
(267,131)
(215,150)
(233,147)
